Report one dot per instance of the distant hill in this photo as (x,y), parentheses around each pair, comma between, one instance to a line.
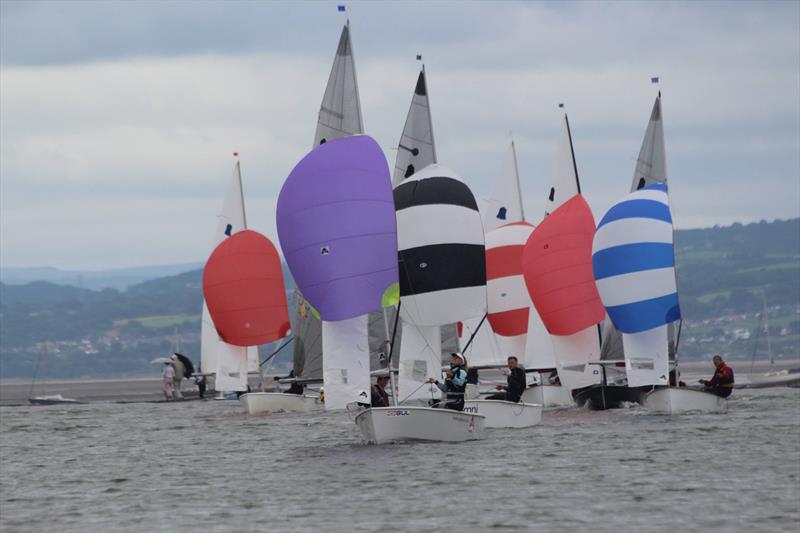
(118,278)
(724,276)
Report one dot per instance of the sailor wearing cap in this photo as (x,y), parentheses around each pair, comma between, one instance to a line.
(456,382)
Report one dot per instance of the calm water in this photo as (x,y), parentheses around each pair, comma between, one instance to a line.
(204,466)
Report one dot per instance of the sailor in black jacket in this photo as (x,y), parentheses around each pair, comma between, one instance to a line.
(516,383)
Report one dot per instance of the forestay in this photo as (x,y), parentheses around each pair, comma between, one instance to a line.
(634,265)
(336,224)
(213,352)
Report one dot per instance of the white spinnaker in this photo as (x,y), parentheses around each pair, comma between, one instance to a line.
(484,350)
(571,352)
(345,367)
(420,359)
(416,149)
(646,357)
(225,360)
(504,206)
(340,111)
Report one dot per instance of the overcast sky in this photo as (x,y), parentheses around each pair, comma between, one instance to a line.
(118,119)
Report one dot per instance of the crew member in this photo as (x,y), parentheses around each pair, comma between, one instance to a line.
(380,398)
(455,384)
(295,387)
(516,383)
(167,375)
(722,382)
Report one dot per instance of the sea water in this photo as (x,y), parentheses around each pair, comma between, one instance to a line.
(207,466)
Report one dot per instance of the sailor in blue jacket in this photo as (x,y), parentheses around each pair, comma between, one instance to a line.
(455,384)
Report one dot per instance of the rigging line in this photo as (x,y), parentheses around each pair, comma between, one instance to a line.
(273,354)
(475,332)
(394,334)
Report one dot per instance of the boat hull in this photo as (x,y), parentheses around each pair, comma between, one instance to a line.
(381,425)
(548,396)
(602,397)
(673,401)
(782,378)
(502,414)
(271,402)
(51,399)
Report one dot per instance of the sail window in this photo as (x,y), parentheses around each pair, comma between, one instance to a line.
(642,183)
(409,171)
(229,230)
(501,213)
(552,193)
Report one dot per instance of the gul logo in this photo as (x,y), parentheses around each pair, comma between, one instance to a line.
(397,413)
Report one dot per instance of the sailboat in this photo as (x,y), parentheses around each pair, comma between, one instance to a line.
(420,347)
(788,377)
(615,389)
(337,229)
(561,356)
(442,280)
(339,116)
(228,364)
(245,295)
(45,399)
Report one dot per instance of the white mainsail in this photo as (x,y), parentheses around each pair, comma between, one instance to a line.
(504,206)
(416,148)
(228,363)
(571,352)
(339,116)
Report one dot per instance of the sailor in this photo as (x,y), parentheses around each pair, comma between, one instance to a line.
(722,382)
(515,383)
(380,398)
(167,375)
(180,372)
(295,387)
(455,384)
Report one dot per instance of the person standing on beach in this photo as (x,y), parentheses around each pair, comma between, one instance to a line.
(167,375)
(180,372)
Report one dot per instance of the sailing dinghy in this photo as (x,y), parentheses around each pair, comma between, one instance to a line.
(634,265)
(563,332)
(442,280)
(337,229)
(228,364)
(246,298)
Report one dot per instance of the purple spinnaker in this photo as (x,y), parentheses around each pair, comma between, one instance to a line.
(337,227)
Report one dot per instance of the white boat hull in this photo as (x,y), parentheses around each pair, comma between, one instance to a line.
(548,396)
(673,401)
(380,425)
(502,414)
(781,378)
(271,402)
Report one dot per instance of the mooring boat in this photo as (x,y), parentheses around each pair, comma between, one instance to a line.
(382,425)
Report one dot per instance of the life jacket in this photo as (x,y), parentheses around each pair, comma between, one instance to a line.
(457,384)
(722,379)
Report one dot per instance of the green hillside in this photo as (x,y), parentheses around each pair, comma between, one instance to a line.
(724,275)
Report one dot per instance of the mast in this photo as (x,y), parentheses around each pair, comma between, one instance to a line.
(572,152)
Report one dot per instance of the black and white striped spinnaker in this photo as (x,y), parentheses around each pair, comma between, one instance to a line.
(441,249)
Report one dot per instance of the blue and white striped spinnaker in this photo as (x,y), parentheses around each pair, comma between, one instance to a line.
(634,266)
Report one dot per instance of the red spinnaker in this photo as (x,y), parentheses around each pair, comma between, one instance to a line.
(244,290)
(557,265)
